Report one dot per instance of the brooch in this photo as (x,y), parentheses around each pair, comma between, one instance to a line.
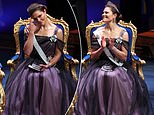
(53,38)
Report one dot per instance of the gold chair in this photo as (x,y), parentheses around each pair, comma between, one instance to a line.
(2,93)
(132,33)
(19,35)
(132,57)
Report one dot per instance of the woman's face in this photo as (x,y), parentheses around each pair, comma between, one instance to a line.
(108,15)
(39,17)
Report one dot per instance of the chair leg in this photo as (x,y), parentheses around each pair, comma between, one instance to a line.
(73,71)
(70,110)
(2,93)
(140,71)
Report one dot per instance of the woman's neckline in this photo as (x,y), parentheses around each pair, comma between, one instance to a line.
(44,36)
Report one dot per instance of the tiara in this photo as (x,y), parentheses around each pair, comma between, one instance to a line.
(34,6)
(109,3)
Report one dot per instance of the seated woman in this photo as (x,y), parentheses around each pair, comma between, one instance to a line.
(37,87)
(110,86)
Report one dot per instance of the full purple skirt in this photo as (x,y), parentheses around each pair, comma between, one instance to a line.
(29,92)
(105,89)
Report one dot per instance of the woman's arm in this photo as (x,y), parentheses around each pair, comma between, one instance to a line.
(58,53)
(121,54)
(96,53)
(28,46)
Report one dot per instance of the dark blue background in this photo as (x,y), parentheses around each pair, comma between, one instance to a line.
(95,9)
(12,10)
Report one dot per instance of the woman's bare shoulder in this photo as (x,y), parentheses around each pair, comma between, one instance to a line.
(59,34)
(124,34)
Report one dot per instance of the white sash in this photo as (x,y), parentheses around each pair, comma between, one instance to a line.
(98,35)
(40,51)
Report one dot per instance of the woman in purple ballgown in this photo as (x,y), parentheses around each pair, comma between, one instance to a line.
(109,86)
(42,91)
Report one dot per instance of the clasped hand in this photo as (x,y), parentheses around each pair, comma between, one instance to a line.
(31,27)
(44,66)
(110,42)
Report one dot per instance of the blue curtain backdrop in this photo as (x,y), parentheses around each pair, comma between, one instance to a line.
(12,10)
(95,9)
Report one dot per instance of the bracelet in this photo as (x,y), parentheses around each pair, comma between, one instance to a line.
(49,64)
(112,48)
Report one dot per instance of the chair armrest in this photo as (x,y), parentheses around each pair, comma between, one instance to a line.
(70,59)
(137,59)
(137,64)
(1,72)
(86,58)
(12,61)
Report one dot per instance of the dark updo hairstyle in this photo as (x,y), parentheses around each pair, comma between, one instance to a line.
(115,10)
(35,6)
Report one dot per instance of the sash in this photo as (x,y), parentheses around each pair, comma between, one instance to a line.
(40,51)
(98,35)
(109,55)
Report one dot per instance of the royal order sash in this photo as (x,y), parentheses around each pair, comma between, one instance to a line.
(41,53)
(98,35)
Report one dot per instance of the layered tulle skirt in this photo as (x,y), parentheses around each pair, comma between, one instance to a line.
(105,89)
(29,92)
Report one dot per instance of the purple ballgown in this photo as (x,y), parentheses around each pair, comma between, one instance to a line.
(107,89)
(30,92)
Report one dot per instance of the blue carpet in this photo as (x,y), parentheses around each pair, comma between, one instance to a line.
(148,70)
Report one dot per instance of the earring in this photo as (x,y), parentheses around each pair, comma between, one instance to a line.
(114,20)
